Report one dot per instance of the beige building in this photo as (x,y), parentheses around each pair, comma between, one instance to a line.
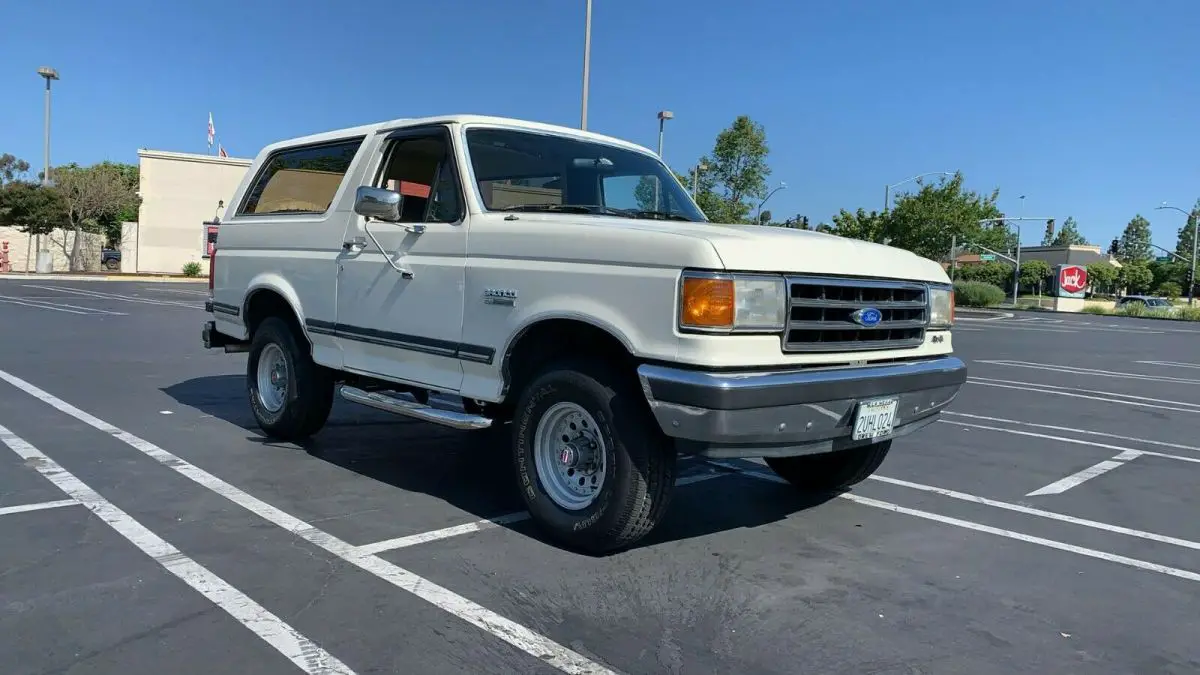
(179,191)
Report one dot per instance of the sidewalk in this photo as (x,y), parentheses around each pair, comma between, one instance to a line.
(98,276)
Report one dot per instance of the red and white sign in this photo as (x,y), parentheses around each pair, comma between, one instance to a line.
(1072,278)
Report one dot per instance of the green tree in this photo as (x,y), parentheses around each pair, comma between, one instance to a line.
(1183,246)
(91,194)
(1102,277)
(31,208)
(1169,289)
(12,169)
(925,222)
(1136,278)
(867,226)
(1035,272)
(1134,245)
(995,273)
(736,174)
(1068,235)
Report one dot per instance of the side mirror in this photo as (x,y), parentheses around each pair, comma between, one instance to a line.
(377,203)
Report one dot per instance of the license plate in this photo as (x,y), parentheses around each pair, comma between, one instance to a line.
(875,418)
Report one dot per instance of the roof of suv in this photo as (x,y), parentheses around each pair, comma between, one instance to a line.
(378,127)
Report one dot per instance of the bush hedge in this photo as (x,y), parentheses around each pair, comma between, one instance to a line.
(977,294)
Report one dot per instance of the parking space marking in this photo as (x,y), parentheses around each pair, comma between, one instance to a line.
(157,289)
(481,525)
(40,506)
(1080,477)
(56,306)
(1072,392)
(1005,326)
(1086,432)
(980,527)
(271,629)
(1074,370)
(515,634)
(1170,364)
(1063,439)
(116,296)
(1041,513)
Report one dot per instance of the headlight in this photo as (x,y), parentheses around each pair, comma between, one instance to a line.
(941,307)
(732,302)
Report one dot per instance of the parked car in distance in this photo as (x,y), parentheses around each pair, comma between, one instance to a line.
(110,259)
(1148,302)
(562,287)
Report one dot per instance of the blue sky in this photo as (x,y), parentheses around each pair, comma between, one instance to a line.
(1089,108)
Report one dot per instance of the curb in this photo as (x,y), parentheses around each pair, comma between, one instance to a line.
(980,314)
(156,278)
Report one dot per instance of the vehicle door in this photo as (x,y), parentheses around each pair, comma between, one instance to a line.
(400,284)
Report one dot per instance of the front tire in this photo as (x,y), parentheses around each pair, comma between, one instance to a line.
(290,394)
(594,470)
(831,470)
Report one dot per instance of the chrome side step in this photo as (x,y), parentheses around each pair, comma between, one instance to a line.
(411,408)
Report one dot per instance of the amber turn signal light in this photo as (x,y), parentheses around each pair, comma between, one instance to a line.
(707,303)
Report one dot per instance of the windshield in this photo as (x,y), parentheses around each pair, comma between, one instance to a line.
(1154,302)
(529,171)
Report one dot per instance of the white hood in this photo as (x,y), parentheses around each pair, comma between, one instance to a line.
(755,248)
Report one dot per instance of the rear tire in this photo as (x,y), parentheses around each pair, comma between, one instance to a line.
(593,468)
(290,394)
(831,470)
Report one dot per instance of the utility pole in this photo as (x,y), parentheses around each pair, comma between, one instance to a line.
(587,63)
(700,166)
(953,255)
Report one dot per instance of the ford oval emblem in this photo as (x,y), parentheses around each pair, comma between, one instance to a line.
(868,317)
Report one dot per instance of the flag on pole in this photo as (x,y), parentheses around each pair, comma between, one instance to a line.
(221,151)
(211,131)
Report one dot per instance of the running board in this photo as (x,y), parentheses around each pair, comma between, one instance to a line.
(415,410)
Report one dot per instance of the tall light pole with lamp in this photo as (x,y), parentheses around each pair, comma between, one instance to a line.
(49,74)
(1195,226)
(887,189)
(758,211)
(700,166)
(663,116)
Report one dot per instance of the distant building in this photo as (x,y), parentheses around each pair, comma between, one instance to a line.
(1081,254)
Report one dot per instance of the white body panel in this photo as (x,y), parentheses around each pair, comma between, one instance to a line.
(621,275)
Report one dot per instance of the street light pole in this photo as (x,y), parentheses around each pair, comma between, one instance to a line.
(887,189)
(663,116)
(587,63)
(700,166)
(48,74)
(1195,222)
(758,211)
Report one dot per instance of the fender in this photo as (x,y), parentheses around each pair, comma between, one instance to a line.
(273,281)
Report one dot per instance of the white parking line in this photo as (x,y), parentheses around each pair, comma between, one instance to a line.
(1080,477)
(1072,392)
(1076,441)
(1009,534)
(274,631)
(26,303)
(116,296)
(480,525)
(1170,364)
(1074,370)
(1085,432)
(40,506)
(515,634)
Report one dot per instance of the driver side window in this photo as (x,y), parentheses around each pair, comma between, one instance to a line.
(421,169)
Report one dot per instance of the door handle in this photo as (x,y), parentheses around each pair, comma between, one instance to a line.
(415,229)
(354,245)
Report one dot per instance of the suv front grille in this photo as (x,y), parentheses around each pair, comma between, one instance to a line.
(821,314)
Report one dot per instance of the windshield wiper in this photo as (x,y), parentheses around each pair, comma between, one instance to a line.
(564,208)
(661,215)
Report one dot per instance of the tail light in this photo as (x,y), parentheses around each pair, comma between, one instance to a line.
(212,266)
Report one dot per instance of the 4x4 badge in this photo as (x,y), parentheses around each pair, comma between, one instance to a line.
(500,296)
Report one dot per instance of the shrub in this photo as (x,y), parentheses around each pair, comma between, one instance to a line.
(1133,309)
(191,269)
(1189,313)
(1096,309)
(977,294)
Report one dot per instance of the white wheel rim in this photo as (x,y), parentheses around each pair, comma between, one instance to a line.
(569,455)
(272,378)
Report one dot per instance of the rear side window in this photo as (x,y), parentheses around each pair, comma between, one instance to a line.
(301,180)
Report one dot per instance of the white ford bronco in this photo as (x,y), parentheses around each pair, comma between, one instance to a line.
(562,286)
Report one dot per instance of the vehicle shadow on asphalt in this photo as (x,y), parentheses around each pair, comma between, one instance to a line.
(473,471)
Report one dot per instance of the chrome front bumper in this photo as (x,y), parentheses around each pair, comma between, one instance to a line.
(792,412)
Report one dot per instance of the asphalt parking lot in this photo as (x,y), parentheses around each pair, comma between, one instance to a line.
(1046,524)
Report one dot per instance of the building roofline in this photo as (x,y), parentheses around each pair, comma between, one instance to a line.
(193,157)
